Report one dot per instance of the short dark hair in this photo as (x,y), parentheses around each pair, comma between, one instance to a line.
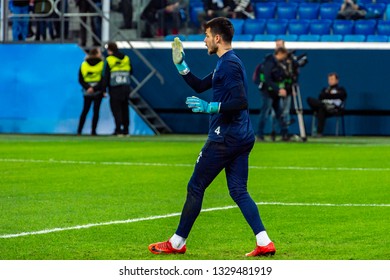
(281,50)
(221,26)
(94,52)
(111,46)
(333,74)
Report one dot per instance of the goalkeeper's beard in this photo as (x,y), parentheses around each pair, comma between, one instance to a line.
(212,49)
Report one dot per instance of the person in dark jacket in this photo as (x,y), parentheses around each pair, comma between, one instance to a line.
(43,7)
(90,78)
(165,14)
(96,21)
(330,102)
(127,13)
(272,89)
(117,78)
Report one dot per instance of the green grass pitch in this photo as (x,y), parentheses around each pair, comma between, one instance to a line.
(325,199)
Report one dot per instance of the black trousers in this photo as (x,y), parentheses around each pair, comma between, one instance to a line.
(119,103)
(127,12)
(85,7)
(97,100)
(319,107)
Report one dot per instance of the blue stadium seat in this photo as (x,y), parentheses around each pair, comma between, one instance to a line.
(298,1)
(287,10)
(288,37)
(383,1)
(242,37)
(265,10)
(320,26)
(276,26)
(342,26)
(264,37)
(254,26)
(170,37)
(365,26)
(195,37)
(383,27)
(309,38)
(194,10)
(364,2)
(375,10)
(238,25)
(298,26)
(354,38)
(331,38)
(387,13)
(308,10)
(329,10)
(377,38)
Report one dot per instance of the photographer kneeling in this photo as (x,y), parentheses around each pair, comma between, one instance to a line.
(273,79)
(330,102)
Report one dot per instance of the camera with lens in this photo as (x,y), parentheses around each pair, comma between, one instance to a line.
(293,63)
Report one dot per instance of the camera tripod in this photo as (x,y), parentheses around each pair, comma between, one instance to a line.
(297,99)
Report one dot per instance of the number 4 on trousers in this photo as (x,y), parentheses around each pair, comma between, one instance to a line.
(218,130)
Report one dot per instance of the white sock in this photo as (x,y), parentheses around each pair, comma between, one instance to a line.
(262,238)
(177,241)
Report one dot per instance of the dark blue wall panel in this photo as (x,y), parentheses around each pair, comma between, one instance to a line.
(39,92)
(362,72)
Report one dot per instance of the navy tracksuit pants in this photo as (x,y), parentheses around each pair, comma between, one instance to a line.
(213,158)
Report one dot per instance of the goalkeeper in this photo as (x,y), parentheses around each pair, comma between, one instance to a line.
(230,138)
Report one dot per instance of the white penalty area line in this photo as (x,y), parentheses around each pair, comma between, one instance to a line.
(129,221)
(124,163)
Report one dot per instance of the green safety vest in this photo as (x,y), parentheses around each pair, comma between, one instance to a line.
(120,70)
(92,73)
(280,84)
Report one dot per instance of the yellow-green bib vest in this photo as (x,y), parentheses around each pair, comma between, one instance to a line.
(92,73)
(120,70)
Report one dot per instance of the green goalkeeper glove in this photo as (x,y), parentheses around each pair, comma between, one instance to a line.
(200,106)
(178,57)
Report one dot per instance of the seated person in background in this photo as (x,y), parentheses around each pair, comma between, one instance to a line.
(330,102)
(242,9)
(166,14)
(351,10)
(215,8)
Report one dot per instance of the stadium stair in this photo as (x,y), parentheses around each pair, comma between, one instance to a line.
(145,111)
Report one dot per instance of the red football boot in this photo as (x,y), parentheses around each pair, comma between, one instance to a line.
(262,250)
(165,248)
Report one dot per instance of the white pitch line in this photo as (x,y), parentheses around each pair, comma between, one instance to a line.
(321,168)
(323,204)
(129,221)
(191,165)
